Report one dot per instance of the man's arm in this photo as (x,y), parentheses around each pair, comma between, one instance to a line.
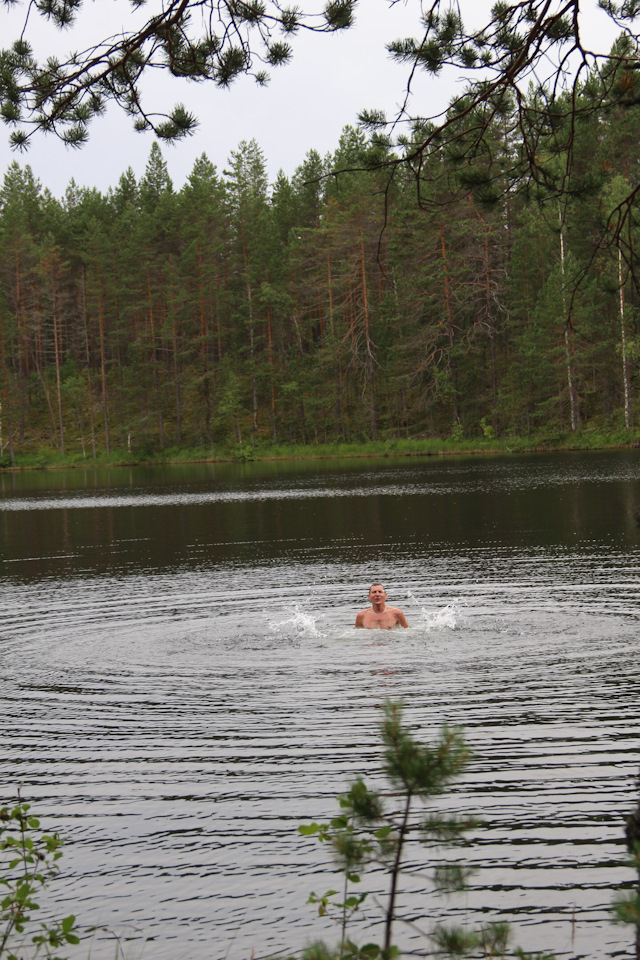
(360,619)
(401,619)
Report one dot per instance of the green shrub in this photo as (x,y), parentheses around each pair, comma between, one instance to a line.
(28,861)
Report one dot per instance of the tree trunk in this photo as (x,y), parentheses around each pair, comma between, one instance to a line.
(272,372)
(491,327)
(338,369)
(57,351)
(569,347)
(449,322)
(154,360)
(204,345)
(252,351)
(176,379)
(103,367)
(88,359)
(628,409)
(369,346)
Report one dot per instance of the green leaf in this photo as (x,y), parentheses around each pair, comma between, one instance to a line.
(383,833)
(370,950)
(454,940)
(278,53)
(339,14)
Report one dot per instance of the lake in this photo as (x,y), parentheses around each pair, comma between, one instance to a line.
(182,686)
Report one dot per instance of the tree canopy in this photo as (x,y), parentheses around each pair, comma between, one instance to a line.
(530,85)
(522,43)
(526,77)
(215,40)
(527,66)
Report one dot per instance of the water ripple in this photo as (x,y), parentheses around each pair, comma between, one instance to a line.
(178,720)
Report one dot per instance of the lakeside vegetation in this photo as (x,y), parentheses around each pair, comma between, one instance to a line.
(46,458)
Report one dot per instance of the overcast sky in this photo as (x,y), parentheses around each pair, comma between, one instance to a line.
(305,106)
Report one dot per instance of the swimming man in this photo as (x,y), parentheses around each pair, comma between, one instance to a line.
(380,616)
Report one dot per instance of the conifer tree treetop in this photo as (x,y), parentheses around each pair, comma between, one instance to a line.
(215,40)
(528,54)
(528,82)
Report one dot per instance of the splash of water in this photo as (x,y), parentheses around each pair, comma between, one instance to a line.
(445,618)
(299,624)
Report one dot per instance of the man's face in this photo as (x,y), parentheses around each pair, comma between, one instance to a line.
(377,593)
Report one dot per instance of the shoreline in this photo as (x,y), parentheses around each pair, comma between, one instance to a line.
(405,449)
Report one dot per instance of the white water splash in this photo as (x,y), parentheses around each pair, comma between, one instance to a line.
(299,624)
(445,618)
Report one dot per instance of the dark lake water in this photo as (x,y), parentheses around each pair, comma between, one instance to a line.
(181,686)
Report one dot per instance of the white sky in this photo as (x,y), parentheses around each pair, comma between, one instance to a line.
(305,106)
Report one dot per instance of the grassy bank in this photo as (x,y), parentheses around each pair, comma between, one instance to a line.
(47,458)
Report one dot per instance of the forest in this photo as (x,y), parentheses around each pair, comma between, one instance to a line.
(366,297)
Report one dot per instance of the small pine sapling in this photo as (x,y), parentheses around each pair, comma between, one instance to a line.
(374,828)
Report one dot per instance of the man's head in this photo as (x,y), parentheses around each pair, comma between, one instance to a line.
(377,594)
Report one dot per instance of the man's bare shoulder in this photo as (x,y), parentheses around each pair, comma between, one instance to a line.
(399,616)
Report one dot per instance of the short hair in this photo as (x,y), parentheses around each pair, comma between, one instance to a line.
(376,583)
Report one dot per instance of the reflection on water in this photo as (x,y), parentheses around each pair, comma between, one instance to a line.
(182,686)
